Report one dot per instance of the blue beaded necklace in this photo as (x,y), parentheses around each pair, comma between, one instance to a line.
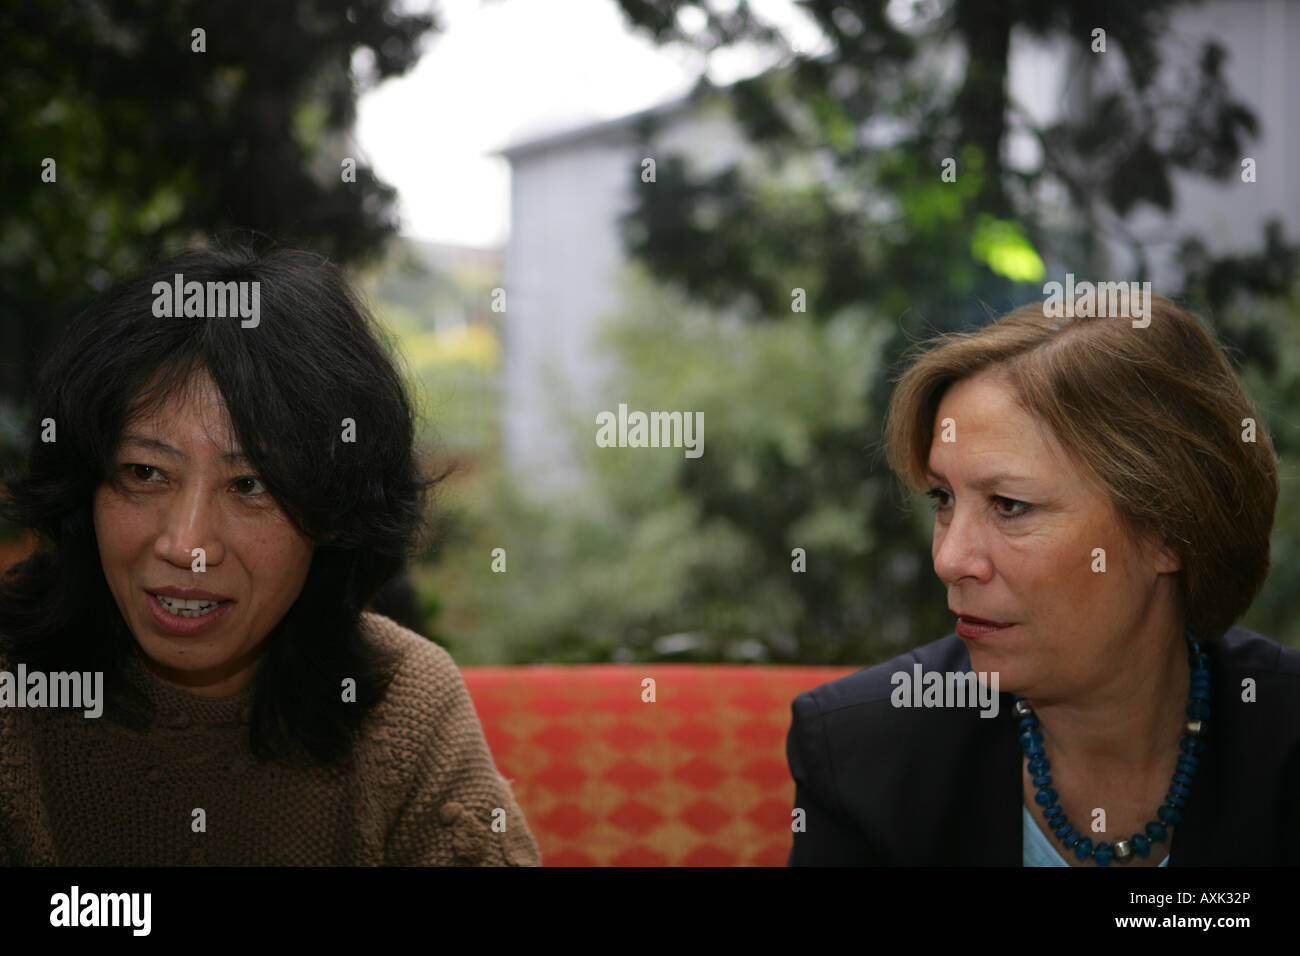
(1192,744)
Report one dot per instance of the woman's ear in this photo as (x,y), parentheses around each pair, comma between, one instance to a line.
(1163,557)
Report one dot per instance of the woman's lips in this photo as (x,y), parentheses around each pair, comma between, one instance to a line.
(974,629)
(178,626)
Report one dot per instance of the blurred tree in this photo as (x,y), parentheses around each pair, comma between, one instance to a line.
(630,568)
(876,228)
(157,144)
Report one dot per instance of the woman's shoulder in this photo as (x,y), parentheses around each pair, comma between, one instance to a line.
(426,692)
(876,684)
(1243,649)
(424,672)
(415,650)
(1260,679)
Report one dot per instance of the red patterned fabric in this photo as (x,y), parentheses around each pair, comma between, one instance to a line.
(696,778)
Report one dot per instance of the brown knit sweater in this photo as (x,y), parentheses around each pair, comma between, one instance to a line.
(420,789)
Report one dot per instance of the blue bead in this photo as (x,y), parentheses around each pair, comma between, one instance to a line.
(1039,765)
(1200,673)
(1184,779)
(1052,811)
(1102,854)
(1179,789)
(1198,710)
(1029,723)
(1188,760)
(1141,845)
(1031,738)
(1083,848)
(1046,796)
(1191,745)
(1071,840)
(1156,831)
(1034,752)
(1170,815)
(1043,780)
(1063,831)
(1175,799)
(1055,820)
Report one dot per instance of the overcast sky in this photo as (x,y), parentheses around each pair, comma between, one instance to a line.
(504,69)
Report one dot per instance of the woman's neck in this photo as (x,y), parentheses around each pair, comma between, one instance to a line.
(233,678)
(1128,722)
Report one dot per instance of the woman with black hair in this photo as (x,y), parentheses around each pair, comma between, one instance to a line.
(223,475)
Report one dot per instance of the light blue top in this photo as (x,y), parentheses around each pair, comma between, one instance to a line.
(1038,850)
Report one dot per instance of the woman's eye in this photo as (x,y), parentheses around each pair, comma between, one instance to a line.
(935,495)
(1011,502)
(250,486)
(139,472)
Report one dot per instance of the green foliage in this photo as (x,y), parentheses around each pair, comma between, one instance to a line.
(158,146)
(1276,390)
(434,302)
(1006,251)
(661,557)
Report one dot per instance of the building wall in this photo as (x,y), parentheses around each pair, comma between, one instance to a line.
(562,263)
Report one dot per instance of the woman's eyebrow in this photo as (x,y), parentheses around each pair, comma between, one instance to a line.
(146,442)
(987,482)
(166,449)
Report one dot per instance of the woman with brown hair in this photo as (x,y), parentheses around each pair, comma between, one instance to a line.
(1103,497)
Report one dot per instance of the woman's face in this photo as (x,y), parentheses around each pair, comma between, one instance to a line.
(1014,540)
(186,488)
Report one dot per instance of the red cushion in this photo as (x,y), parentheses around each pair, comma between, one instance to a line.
(696,778)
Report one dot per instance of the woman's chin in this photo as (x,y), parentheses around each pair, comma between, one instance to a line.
(1010,676)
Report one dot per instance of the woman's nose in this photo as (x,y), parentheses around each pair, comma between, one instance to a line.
(959,550)
(191,529)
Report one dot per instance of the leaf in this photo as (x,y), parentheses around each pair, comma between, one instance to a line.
(1142,175)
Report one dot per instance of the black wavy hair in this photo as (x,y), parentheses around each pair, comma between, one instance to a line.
(316,357)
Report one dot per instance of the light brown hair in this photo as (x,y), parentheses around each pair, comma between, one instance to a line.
(1153,416)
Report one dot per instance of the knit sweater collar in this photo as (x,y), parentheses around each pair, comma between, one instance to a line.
(180,709)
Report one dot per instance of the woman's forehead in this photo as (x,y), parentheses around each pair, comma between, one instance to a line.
(194,413)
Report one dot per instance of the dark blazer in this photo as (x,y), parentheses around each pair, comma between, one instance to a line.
(917,786)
